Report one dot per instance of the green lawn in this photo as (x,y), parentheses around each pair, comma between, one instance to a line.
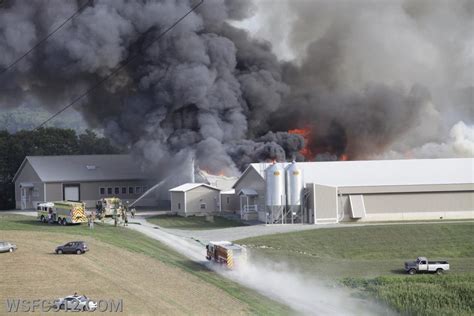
(192,222)
(137,242)
(372,258)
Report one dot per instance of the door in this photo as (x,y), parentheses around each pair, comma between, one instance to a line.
(25,198)
(67,248)
(423,265)
(71,192)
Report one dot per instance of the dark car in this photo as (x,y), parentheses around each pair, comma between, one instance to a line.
(78,247)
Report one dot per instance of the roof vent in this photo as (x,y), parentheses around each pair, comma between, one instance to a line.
(91,167)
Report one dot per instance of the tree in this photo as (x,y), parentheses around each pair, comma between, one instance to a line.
(89,143)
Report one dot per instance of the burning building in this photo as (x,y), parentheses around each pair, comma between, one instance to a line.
(224,95)
(364,80)
(332,192)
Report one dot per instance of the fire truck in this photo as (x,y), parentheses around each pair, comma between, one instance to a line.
(226,253)
(109,207)
(62,212)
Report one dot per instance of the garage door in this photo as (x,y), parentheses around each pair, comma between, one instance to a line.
(71,193)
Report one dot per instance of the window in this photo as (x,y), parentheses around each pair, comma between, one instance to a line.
(109,191)
(179,206)
(130,190)
(124,190)
(35,192)
(138,190)
(102,191)
(117,190)
(203,206)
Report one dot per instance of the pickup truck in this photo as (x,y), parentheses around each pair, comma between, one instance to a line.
(423,265)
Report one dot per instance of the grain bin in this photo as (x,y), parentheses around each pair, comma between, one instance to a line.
(275,185)
(294,184)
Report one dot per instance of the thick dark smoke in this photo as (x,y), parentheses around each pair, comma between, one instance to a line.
(202,90)
(376,78)
(362,78)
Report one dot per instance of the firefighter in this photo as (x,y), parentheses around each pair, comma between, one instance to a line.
(126,206)
(125,218)
(115,217)
(132,211)
(98,207)
(50,218)
(91,220)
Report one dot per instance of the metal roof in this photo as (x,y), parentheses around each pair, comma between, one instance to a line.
(189,186)
(384,172)
(83,168)
(248,192)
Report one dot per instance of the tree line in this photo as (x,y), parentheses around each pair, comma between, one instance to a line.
(14,147)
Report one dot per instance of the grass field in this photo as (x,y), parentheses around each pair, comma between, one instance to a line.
(146,286)
(192,223)
(122,246)
(451,294)
(372,258)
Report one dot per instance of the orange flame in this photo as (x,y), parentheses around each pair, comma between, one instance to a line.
(220,173)
(311,146)
(306,133)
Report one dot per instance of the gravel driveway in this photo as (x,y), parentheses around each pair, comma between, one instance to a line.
(230,233)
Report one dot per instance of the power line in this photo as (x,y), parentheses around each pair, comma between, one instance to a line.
(114,72)
(46,37)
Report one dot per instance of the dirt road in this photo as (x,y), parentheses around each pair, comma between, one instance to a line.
(305,295)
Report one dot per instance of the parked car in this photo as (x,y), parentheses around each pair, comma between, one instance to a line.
(77,247)
(6,246)
(75,303)
(423,265)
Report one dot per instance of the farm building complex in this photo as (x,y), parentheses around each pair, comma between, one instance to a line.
(83,177)
(383,190)
(298,192)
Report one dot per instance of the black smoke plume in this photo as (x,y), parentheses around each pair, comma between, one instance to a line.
(210,89)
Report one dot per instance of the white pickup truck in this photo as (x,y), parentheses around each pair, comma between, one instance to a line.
(423,265)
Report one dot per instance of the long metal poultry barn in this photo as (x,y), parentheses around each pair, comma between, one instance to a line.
(335,191)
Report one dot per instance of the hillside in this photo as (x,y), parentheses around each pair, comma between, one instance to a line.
(151,278)
(27,117)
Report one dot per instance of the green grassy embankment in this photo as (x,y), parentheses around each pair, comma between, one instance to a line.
(139,243)
(193,222)
(370,259)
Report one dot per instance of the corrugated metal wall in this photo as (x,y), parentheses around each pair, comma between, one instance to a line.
(413,206)
(325,203)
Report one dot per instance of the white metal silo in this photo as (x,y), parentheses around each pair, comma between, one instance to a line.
(275,193)
(294,193)
(294,184)
(275,185)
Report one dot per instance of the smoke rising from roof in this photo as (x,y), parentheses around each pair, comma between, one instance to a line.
(365,76)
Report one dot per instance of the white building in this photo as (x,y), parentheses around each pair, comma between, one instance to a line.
(382,190)
(195,199)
